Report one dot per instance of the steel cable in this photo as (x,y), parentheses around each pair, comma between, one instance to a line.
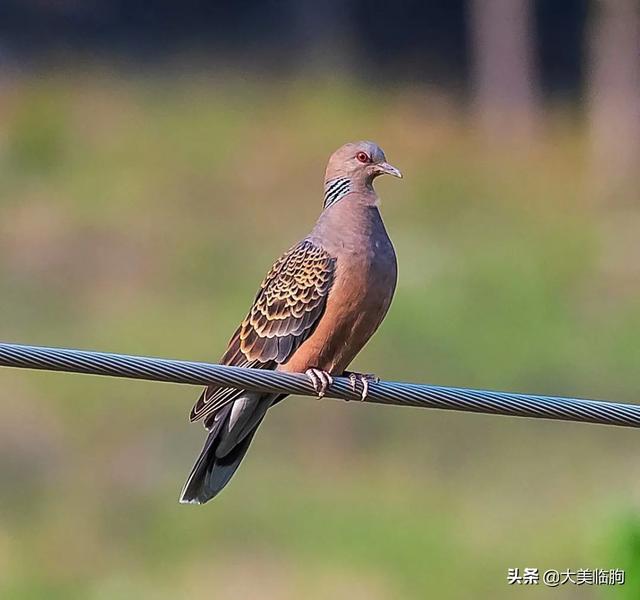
(384,392)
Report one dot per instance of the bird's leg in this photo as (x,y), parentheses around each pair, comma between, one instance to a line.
(321,380)
(364,379)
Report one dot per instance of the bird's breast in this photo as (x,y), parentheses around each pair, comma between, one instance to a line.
(363,285)
(362,290)
(365,272)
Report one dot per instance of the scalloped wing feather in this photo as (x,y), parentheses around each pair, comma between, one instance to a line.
(286,310)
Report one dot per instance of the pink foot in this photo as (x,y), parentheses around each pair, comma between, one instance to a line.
(364,379)
(321,380)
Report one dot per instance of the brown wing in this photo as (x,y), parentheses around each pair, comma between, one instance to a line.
(288,306)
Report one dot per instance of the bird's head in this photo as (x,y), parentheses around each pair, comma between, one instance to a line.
(361,162)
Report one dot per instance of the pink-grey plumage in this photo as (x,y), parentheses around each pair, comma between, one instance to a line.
(315,310)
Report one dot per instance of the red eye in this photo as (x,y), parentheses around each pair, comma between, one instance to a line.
(363,157)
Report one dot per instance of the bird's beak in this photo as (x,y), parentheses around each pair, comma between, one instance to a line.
(387,169)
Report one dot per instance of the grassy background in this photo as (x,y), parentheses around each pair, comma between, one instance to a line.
(139,215)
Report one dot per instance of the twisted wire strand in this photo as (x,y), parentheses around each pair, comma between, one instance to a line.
(384,392)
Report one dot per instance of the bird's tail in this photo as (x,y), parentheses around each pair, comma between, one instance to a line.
(211,472)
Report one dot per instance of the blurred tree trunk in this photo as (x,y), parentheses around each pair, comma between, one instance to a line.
(505,82)
(614,95)
(322,31)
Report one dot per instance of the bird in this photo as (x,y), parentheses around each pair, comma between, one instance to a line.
(315,310)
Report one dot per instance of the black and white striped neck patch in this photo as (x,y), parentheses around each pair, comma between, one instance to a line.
(334,189)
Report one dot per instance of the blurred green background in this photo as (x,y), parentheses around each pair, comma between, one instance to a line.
(138,215)
(137,218)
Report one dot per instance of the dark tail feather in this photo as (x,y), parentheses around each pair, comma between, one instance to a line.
(210,473)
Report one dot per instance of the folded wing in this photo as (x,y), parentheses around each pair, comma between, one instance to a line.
(286,310)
